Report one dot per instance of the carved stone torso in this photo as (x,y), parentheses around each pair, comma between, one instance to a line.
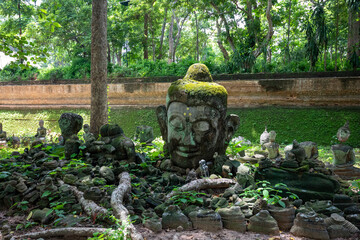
(273,149)
(41,132)
(343,154)
(2,136)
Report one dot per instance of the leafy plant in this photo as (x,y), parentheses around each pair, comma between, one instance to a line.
(272,195)
(23,205)
(235,147)
(187,198)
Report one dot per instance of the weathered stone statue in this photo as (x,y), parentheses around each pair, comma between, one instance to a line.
(70,124)
(272,147)
(344,155)
(193,123)
(295,156)
(113,136)
(204,169)
(2,135)
(88,136)
(41,131)
(264,138)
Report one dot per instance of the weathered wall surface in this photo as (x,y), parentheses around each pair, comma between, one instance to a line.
(315,91)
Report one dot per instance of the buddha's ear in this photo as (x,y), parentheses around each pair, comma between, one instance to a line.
(161,114)
(232,124)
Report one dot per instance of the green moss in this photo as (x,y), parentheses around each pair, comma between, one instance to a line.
(193,87)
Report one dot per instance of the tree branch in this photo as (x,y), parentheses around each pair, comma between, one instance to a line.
(270,32)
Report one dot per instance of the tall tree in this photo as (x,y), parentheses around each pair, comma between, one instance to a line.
(98,66)
(354,28)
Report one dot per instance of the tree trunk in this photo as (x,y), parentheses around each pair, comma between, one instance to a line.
(337,33)
(119,56)
(145,40)
(268,55)
(325,49)
(353,34)
(197,37)
(98,66)
(219,42)
(227,28)
(171,38)
(108,53)
(178,34)
(20,30)
(162,35)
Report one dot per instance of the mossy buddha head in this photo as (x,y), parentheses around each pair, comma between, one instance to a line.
(343,132)
(194,123)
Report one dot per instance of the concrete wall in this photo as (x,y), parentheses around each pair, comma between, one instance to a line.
(315,91)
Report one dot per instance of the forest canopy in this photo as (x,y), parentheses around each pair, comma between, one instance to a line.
(50,39)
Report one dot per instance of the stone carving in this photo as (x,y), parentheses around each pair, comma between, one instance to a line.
(113,136)
(263,222)
(294,157)
(311,150)
(173,217)
(344,155)
(88,136)
(41,131)
(204,169)
(309,225)
(264,138)
(283,216)
(207,220)
(338,227)
(70,124)
(2,136)
(233,218)
(272,147)
(193,123)
(72,145)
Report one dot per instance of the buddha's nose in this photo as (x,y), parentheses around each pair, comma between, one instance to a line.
(188,139)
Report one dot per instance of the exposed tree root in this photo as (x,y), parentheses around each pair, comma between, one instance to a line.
(119,210)
(62,232)
(89,206)
(200,184)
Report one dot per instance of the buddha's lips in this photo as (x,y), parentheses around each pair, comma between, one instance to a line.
(187,151)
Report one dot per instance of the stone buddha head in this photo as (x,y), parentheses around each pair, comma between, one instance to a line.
(193,123)
(343,132)
(41,123)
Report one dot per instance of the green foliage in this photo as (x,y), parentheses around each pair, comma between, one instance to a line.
(272,195)
(14,72)
(187,198)
(234,148)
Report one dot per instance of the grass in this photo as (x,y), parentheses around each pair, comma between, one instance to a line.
(309,124)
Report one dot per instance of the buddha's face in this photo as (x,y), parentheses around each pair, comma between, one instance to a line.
(343,134)
(194,133)
(41,124)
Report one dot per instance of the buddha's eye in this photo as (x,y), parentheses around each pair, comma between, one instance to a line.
(201,126)
(177,124)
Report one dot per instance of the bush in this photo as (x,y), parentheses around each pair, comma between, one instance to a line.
(13,72)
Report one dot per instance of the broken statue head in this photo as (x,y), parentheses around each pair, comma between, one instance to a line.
(194,123)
